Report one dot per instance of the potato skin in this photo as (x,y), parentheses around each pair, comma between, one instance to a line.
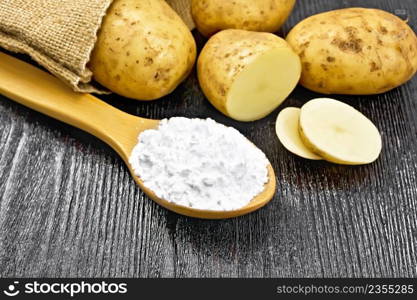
(356,51)
(225,55)
(144,49)
(212,16)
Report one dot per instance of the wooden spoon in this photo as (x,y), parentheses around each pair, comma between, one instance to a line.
(42,92)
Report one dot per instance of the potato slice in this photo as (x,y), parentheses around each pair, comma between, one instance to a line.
(287,129)
(338,132)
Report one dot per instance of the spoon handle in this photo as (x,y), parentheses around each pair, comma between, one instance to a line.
(42,92)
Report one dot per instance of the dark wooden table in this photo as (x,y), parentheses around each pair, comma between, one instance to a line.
(68,206)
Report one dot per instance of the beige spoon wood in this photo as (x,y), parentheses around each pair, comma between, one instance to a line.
(42,92)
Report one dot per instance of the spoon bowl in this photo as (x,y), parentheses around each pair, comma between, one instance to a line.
(42,92)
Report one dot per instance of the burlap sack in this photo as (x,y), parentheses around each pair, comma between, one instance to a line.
(183,8)
(59,34)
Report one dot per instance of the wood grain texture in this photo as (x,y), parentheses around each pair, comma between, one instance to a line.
(68,206)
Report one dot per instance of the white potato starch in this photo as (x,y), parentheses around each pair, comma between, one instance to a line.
(200,164)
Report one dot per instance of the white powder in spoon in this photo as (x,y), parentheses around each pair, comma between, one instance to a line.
(199,163)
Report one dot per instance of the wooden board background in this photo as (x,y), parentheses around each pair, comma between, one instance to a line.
(69,208)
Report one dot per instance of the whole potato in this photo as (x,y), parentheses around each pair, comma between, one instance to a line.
(247,74)
(355,51)
(144,49)
(212,16)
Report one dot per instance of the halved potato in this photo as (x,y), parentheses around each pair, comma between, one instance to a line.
(245,74)
(338,132)
(287,129)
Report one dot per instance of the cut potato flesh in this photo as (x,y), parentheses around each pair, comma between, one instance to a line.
(338,132)
(287,129)
(263,85)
